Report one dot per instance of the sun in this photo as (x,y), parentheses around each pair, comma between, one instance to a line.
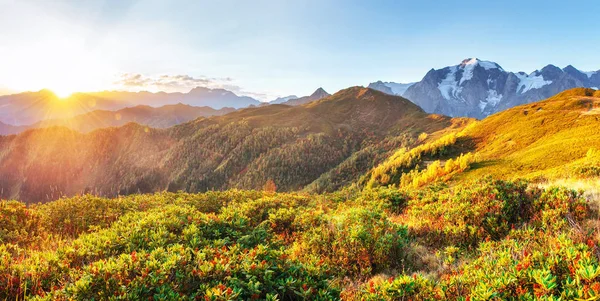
(62,93)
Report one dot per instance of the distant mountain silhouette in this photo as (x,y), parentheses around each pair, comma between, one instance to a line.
(161,117)
(318,94)
(32,107)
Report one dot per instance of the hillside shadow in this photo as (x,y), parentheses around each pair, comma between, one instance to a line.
(482,164)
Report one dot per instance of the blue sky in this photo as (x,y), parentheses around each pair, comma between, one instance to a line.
(279,47)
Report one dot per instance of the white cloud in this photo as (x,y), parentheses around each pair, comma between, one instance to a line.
(181,83)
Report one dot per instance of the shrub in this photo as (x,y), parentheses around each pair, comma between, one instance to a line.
(467,214)
(354,241)
(19,225)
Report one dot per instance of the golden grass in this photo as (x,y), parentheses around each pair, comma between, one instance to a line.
(537,140)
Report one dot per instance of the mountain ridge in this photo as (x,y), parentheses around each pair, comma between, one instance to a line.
(30,107)
(156,117)
(292,145)
(317,95)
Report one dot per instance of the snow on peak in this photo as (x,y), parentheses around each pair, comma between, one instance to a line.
(468,65)
(487,65)
(532,81)
(470,61)
(449,87)
(492,99)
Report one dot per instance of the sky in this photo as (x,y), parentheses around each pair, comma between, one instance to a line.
(270,48)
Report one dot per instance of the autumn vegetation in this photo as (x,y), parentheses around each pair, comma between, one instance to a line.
(479,240)
(318,212)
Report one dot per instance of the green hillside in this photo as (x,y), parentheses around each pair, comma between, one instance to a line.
(337,138)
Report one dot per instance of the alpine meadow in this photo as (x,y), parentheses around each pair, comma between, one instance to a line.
(156,150)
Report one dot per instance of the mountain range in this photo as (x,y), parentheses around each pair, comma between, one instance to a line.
(32,107)
(280,100)
(390,87)
(295,101)
(161,117)
(477,88)
(320,146)
(473,88)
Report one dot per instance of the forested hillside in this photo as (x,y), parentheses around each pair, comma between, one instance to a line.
(317,147)
(332,141)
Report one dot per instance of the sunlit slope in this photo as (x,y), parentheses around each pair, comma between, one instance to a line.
(545,138)
(551,139)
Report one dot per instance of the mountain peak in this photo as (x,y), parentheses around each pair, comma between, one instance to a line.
(550,67)
(391,88)
(320,92)
(283,99)
(472,62)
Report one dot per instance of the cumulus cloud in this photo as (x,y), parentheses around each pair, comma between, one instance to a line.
(239,91)
(168,83)
(181,83)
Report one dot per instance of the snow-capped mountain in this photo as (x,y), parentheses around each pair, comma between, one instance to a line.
(390,87)
(477,88)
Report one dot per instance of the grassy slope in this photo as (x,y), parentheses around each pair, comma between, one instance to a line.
(538,139)
(546,140)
